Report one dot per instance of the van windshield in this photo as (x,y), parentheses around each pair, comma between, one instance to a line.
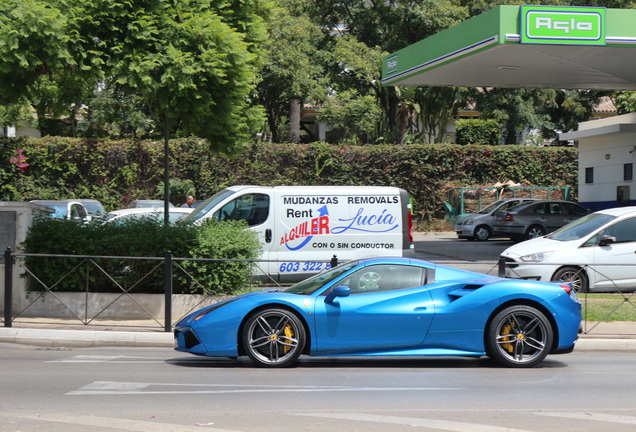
(207,205)
(581,227)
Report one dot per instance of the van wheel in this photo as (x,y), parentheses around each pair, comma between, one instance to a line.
(576,276)
(534,231)
(482,233)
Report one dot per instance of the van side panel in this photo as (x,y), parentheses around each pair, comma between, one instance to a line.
(314,224)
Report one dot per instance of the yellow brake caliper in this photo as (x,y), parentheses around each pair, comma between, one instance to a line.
(289,334)
(506,330)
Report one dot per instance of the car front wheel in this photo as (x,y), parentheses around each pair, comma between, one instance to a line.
(482,233)
(519,336)
(274,338)
(576,276)
(534,231)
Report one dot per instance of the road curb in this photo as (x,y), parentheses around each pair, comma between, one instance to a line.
(92,339)
(84,338)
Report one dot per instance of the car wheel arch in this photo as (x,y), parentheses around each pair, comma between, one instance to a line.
(576,268)
(239,340)
(530,303)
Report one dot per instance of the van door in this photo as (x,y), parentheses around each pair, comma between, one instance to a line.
(257,209)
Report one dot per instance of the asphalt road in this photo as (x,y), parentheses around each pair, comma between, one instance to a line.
(144,389)
(445,248)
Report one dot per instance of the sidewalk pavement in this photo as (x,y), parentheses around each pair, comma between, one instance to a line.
(56,333)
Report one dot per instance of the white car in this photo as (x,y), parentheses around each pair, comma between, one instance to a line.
(119,216)
(596,253)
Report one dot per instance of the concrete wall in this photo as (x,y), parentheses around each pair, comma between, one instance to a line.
(22,214)
(110,306)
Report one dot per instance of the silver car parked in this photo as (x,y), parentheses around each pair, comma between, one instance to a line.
(531,220)
(479,226)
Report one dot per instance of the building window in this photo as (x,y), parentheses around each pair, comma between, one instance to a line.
(589,175)
(628,171)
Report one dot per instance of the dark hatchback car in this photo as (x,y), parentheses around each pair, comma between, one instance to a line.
(536,219)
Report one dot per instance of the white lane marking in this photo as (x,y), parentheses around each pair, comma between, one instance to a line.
(115,388)
(118,423)
(445,425)
(609,418)
(107,359)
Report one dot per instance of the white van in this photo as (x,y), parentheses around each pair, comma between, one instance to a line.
(301,228)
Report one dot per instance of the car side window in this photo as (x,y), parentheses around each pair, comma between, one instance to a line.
(623,231)
(384,278)
(252,208)
(555,208)
(507,205)
(576,210)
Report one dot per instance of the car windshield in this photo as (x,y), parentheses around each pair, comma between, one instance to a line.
(581,227)
(311,285)
(491,207)
(207,205)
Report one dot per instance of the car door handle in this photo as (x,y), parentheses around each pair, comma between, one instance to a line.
(268,235)
(419,308)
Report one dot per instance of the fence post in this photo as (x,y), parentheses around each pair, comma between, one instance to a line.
(8,286)
(502,267)
(167,285)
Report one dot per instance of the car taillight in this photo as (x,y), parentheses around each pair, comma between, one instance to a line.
(409,224)
(509,218)
(571,292)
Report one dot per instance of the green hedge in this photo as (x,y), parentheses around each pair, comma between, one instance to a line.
(148,238)
(116,172)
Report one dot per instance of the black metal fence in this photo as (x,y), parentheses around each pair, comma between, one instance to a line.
(168,263)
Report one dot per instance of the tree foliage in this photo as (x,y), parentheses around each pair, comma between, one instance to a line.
(192,61)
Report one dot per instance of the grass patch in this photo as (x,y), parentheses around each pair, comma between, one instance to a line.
(608,307)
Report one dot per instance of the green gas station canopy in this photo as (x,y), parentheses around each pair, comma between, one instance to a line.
(525,46)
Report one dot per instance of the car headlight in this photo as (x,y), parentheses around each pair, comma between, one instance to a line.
(469,222)
(535,257)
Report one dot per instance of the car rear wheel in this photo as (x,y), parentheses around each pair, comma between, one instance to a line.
(519,336)
(274,338)
(534,231)
(575,275)
(482,233)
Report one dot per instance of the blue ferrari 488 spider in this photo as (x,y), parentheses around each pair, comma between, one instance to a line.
(389,307)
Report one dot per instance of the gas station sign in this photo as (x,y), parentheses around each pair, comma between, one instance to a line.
(562,25)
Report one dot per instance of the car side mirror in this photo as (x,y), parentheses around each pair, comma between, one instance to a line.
(341,291)
(606,240)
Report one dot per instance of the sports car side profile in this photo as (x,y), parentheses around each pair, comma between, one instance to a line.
(389,307)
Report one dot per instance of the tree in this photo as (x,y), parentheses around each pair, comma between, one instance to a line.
(385,27)
(567,109)
(356,115)
(515,109)
(33,42)
(625,101)
(293,72)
